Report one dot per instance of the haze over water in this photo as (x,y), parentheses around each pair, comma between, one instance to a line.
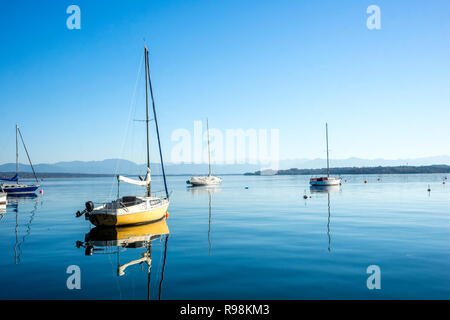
(264,242)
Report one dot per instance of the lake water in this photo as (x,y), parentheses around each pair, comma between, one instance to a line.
(230,242)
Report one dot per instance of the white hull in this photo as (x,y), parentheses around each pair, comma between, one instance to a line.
(205,180)
(325,182)
(3,199)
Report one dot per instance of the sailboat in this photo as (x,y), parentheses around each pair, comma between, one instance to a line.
(325,181)
(135,237)
(13,186)
(209,179)
(133,210)
(3,198)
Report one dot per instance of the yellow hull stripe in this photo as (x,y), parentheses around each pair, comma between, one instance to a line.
(129,219)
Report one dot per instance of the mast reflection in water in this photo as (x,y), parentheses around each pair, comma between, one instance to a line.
(210,190)
(13,206)
(113,240)
(328,190)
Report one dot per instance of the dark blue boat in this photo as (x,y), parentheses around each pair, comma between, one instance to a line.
(17,189)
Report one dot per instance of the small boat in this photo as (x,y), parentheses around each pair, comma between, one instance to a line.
(208,180)
(325,181)
(133,210)
(3,198)
(12,185)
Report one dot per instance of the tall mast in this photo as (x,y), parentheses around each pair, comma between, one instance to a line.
(209,151)
(146,118)
(17,153)
(156,125)
(28,156)
(328,160)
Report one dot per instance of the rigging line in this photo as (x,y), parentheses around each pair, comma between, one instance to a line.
(328,225)
(163,267)
(16,231)
(32,168)
(130,112)
(115,274)
(33,212)
(157,128)
(147,76)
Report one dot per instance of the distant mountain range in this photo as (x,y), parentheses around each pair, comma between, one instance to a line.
(113,166)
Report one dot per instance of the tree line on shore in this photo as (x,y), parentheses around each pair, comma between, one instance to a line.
(356,170)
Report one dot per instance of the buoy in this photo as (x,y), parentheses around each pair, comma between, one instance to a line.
(167,214)
(41,191)
(365,181)
(443,182)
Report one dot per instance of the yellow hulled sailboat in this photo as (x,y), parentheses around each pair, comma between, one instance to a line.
(133,210)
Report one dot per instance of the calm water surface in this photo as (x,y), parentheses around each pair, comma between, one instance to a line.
(264,242)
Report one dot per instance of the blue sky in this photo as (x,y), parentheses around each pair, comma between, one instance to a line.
(289,65)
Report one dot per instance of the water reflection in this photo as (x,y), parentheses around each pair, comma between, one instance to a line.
(328,190)
(13,206)
(210,190)
(101,240)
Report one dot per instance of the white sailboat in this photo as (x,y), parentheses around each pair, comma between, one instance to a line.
(208,180)
(3,197)
(325,181)
(133,210)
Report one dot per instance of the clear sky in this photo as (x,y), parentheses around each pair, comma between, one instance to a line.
(288,65)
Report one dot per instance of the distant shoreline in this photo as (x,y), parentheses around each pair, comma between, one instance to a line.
(294,171)
(356,170)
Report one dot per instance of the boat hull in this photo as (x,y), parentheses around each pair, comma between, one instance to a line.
(3,198)
(204,181)
(131,219)
(15,189)
(324,182)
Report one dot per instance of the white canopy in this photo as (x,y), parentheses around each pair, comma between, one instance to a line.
(143,183)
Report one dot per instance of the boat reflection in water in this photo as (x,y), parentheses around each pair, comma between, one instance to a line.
(328,190)
(111,240)
(210,190)
(13,206)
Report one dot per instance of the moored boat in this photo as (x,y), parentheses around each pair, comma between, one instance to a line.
(11,185)
(325,181)
(197,181)
(133,210)
(3,198)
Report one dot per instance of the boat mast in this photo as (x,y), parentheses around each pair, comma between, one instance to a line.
(147,121)
(17,155)
(209,151)
(328,160)
(28,156)
(156,123)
